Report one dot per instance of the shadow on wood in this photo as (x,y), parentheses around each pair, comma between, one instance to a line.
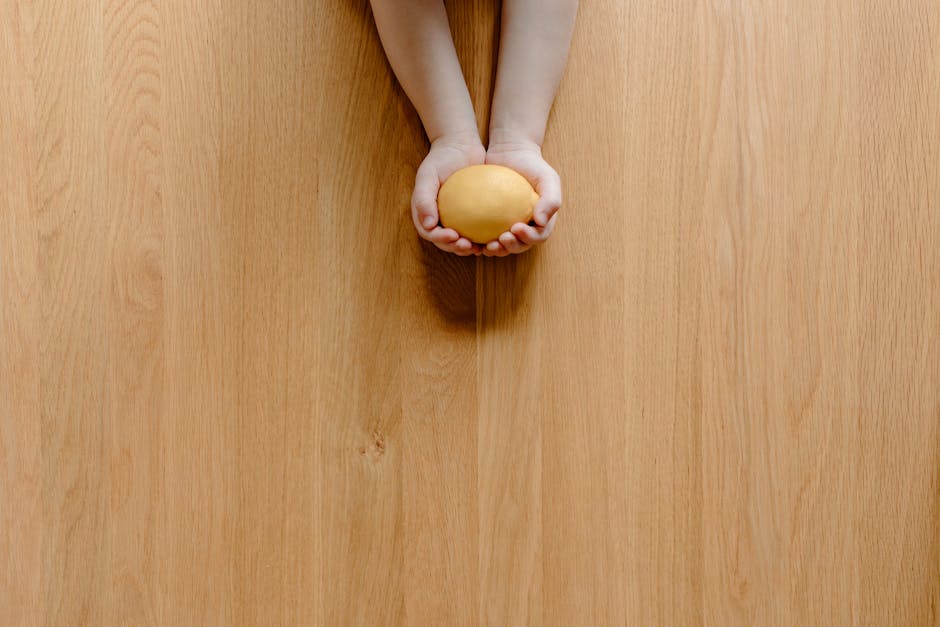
(451,282)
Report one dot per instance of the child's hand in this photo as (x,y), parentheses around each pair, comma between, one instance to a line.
(525,157)
(447,155)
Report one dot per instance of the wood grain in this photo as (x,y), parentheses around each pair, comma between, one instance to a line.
(21,470)
(780,327)
(359,349)
(202,296)
(237,389)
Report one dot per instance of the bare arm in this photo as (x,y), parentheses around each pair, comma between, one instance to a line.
(533,49)
(417,41)
(420,49)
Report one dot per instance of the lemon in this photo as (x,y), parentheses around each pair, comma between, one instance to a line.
(482,201)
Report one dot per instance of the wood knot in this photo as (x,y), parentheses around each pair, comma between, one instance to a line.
(376,448)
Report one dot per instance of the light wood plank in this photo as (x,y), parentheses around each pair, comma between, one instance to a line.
(359,318)
(134,352)
(267,122)
(202,293)
(583,406)
(779,360)
(21,506)
(898,308)
(73,222)
(440,418)
(662,182)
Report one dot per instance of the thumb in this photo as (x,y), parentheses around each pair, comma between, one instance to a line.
(427,215)
(549,201)
(425,198)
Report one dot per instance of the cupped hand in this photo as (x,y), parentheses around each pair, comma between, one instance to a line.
(447,155)
(525,157)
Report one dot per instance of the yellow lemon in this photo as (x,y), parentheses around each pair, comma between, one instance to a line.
(482,201)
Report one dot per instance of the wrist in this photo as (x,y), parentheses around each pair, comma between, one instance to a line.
(465,135)
(508,138)
(461,140)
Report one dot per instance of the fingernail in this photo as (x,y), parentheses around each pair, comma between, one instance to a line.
(429,222)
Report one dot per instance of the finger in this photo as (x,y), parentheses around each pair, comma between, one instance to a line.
(495,249)
(549,201)
(424,197)
(510,243)
(520,248)
(525,233)
(549,227)
(472,247)
(463,250)
(463,245)
(441,235)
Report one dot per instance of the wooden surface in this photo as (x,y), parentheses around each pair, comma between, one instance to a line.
(237,389)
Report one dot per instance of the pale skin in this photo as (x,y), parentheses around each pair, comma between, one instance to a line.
(533,49)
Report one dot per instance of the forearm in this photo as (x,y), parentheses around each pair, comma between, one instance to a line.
(536,35)
(417,40)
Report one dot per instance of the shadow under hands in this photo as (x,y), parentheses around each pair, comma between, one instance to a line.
(450,281)
(452,284)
